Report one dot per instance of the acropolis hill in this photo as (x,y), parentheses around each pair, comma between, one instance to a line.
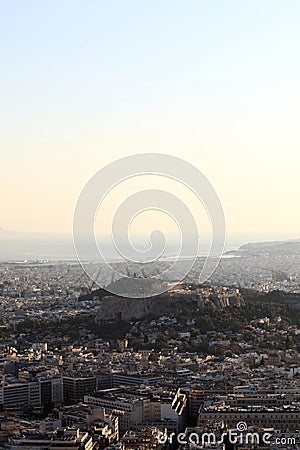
(126,308)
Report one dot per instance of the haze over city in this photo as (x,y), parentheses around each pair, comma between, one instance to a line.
(85,84)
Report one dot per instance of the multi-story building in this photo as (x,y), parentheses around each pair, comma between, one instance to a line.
(75,388)
(15,395)
(124,379)
(105,426)
(263,413)
(40,393)
(131,407)
(57,390)
(60,440)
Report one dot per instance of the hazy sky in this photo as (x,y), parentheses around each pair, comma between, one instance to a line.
(213,82)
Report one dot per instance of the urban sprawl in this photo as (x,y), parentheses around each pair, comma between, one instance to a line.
(84,369)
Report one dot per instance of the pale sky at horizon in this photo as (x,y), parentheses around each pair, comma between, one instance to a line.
(215,83)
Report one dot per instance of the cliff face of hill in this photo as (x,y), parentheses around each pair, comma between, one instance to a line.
(128,308)
(221,301)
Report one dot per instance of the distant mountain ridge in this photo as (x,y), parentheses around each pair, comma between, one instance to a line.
(288,247)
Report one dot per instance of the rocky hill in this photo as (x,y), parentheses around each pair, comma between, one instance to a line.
(123,308)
